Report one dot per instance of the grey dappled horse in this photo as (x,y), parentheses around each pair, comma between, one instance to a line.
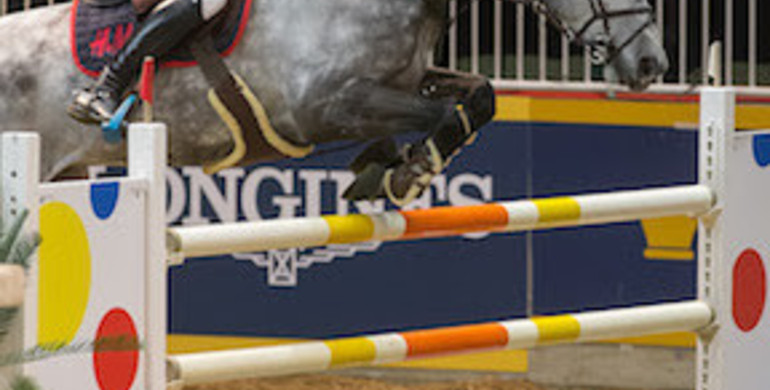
(325,70)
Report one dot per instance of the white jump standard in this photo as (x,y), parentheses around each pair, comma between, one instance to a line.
(731,200)
(95,301)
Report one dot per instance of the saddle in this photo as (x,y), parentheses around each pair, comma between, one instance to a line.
(100,28)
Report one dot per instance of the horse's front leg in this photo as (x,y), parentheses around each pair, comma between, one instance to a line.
(472,92)
(467,103)
(473,106)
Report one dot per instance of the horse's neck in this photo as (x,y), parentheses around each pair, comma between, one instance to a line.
(574,13)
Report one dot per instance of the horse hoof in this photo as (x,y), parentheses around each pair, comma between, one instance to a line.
(368,184)
(383,152)
(407,181)
(402,188)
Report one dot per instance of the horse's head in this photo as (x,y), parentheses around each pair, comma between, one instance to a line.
(622,36)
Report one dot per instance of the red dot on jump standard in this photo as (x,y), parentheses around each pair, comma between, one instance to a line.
(749,290)
(116,351)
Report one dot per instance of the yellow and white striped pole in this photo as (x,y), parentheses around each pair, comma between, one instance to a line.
(441,222)
(319,356)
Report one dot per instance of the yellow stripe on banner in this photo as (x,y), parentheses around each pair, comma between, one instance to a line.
(557,209)
(558,328)
(679,339)
(349,228)
(514,109)
(182,343)
(618,112)
(349,351)
(607,112)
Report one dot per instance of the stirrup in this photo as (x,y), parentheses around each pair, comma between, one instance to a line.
(114,128)
(83,110)
(113,125)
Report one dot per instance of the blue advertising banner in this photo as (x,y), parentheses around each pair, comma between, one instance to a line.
(353,289)
(605,266)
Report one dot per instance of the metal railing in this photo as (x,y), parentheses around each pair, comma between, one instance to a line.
(519,49)
(9,6)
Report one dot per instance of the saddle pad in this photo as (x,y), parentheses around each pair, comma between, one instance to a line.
(98,33)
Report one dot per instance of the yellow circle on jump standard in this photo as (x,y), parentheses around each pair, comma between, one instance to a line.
(64,275)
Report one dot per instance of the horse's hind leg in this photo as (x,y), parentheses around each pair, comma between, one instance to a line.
(470,103)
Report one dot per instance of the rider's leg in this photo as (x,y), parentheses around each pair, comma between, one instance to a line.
(161,31)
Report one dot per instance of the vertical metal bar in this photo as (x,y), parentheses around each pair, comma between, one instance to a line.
(729,41)
(498,56)
(520,41)
(717,121)
(453,35)
(3,7)
(705,40)
(753,44)
(565,58)
(542,48)
(587,65)
(659,19)
(147,160)
(475,38)
(27,5)
(683,41)
(530,240)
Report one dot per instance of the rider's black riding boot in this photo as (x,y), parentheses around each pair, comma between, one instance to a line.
(161,31)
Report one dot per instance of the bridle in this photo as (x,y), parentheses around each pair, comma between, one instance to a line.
(603,50)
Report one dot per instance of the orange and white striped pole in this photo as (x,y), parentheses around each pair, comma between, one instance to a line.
(514,216)
(309,357)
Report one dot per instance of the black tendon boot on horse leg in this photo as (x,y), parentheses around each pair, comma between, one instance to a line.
(421,162)
(161,31)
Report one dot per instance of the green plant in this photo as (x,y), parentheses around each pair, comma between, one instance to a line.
(16,248)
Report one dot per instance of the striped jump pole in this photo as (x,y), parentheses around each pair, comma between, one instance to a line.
(319,356)
(12,281)
(514,216)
